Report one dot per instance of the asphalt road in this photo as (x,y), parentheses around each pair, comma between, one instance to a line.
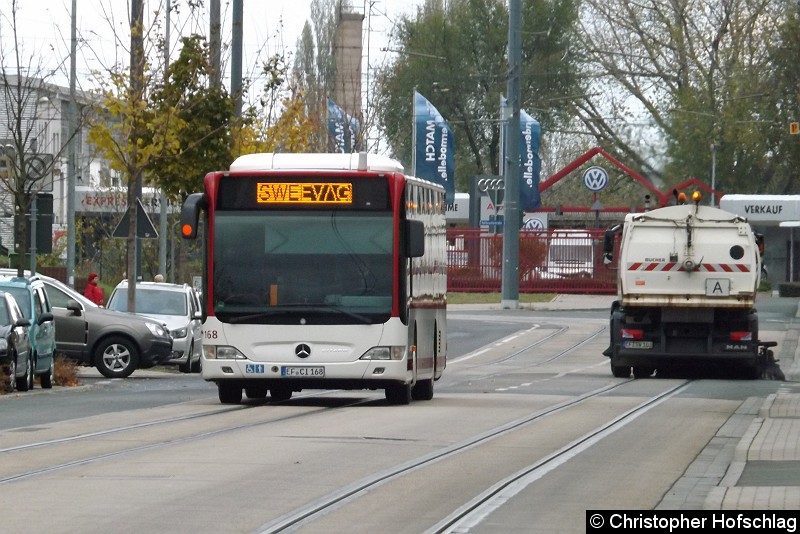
(527,430)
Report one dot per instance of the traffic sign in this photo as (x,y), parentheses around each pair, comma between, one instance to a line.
(144,226)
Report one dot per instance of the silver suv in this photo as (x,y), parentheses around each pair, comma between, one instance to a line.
(175,305)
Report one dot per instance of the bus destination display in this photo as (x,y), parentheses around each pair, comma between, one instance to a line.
(271,192)
(304,193)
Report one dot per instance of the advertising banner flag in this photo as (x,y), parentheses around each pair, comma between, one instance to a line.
(342,129)
(434,147)
(530,164)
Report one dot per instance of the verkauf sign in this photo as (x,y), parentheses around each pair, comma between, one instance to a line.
(763,208)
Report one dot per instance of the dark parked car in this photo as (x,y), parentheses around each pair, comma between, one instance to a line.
(117,343)
(31,297)
(15,347)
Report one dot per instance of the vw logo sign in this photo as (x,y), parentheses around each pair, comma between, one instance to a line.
(302,351)
(595,179)
(533,224)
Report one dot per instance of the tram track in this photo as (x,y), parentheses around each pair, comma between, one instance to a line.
(149,425)
(515,354)
(473,512)
(486,501)
(403,453)
(156,444)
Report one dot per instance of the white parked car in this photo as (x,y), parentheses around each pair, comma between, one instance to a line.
(175,305)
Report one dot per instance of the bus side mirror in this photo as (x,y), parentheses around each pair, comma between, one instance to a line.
(190,214)
(414,242)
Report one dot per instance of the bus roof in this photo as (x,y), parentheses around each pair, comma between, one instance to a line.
(361,161)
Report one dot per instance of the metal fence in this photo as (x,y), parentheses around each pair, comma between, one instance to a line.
(551,261)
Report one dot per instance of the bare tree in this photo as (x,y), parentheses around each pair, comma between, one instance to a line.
(671,83)
(33,139)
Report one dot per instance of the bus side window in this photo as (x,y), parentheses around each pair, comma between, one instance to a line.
(414,239)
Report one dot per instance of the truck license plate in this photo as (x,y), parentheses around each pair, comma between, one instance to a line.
(637,344)
(314,372)
(718,287)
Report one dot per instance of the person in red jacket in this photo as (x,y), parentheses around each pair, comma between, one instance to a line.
(94,292)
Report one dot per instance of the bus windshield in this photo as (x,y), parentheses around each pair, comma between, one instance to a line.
(302,267)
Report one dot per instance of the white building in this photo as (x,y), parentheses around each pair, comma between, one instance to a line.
(34,115)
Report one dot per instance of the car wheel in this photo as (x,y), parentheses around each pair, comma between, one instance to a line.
(116,357)
(25,383)
(197,367)
(187,366)
(10,383)
(49,378)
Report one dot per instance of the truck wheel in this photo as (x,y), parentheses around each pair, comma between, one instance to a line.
(753,372)
(642,371)
(620,371)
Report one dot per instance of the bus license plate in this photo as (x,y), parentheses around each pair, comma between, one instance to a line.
(314,372)
(637,344)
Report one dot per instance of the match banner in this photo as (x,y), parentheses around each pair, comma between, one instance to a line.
(342,129)
(530,165)
(434,147)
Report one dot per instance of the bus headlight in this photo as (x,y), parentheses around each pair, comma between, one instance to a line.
(222,352)
(384,353)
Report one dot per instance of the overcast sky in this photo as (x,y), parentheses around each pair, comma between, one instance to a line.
(270,26)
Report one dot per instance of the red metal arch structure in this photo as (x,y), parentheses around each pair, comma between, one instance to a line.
(662,198)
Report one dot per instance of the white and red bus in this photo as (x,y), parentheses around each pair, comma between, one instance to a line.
(321,271)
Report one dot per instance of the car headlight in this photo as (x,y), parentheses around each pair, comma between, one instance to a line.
(180,332)
(3,345)
(157,329)
(384,353)
(222,352)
